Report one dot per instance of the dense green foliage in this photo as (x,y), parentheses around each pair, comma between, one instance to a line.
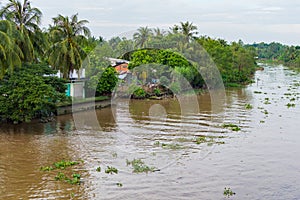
(164,57)
(235,63)
(166,66)
(102,77)
(279,53)
(30,92)
(104,81)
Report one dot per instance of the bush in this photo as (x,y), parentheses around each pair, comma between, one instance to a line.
(157,92)
(139,93)
(103,82)
(30,92)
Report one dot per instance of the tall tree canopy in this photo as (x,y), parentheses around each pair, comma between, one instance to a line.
(67,36)
(27,20)
(10,53)
(142,36)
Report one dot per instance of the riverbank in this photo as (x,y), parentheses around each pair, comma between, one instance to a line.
(83,105)
(279,62)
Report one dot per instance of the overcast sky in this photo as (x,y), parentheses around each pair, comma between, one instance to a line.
(251,21)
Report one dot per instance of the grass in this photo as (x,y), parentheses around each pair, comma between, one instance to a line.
(233,85)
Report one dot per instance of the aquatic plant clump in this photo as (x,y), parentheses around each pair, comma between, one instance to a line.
(59,165)
(111,170)
(74,180)
(62,165)
(232,127)
(139,166)
(248,106)
(228,192)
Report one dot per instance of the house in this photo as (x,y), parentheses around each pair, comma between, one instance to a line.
(76,89)
(122,68)
(76,84)
(115,61)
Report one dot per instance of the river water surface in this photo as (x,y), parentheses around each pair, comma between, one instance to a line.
(261,161)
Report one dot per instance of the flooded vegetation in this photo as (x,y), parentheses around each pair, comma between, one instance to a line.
(148,150)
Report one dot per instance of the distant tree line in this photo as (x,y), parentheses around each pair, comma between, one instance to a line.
(276,52)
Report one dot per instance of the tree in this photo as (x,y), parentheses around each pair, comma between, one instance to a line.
(27,93)
(185,28)
(67,36)
(104,82)
(188,30)
(158,63)
(27,20)
(174,29)
(10,53)
(125,46)
(114,42)
(158,32)
(142,36)
(102,77)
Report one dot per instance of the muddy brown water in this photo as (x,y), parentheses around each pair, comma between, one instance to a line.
(262,161)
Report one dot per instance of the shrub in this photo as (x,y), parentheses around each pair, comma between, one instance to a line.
(139,93)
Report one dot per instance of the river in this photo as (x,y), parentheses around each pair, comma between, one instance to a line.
(261,161)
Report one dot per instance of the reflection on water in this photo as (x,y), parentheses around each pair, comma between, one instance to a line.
(258,162)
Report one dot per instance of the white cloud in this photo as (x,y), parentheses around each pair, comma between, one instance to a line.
(272,9)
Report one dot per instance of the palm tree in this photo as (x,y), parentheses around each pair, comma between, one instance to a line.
(174,29)
(27,21)
(142,36)
(158,32)
(10,54)
(67,36)
(125,46)
(188,29)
